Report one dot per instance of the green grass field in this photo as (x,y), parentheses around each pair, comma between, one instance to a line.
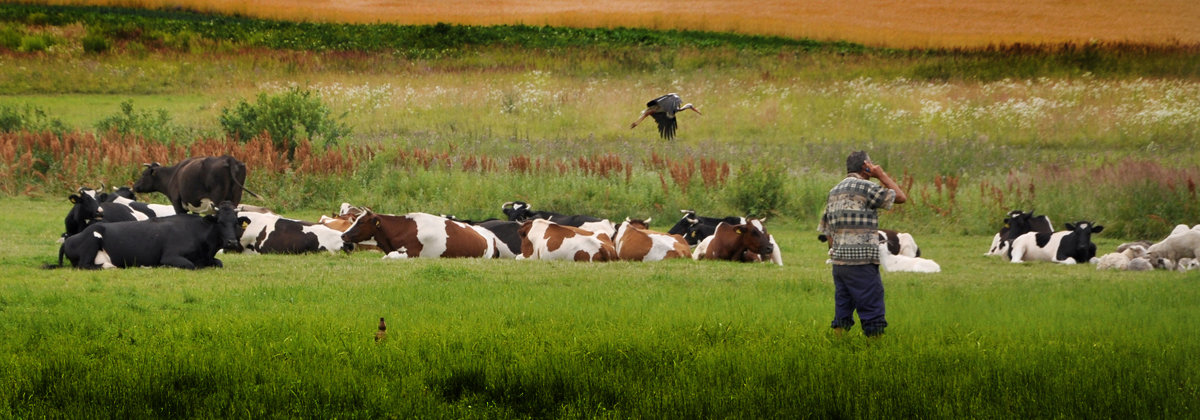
(1099,132)
(292,336)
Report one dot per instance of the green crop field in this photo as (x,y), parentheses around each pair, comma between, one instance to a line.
(459,119)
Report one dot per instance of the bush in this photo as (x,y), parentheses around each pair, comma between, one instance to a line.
(155,125)
(10,38)
(288,118)
(758,190)
(28,118)
(95,43)
(36,43)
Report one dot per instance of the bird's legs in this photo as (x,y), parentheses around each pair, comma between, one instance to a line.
(645,114)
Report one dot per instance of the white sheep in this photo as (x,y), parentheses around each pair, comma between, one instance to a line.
(1140,264)
(896,263)
(1187,264)
(1180,244)
(1113,261)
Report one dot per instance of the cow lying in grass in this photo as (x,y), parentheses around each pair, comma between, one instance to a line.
(744,242)
(903,263)
(425,235)
(1071,246)
(184,241)
(542,239)
(636,242)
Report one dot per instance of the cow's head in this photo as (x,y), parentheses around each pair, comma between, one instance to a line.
(150,179)
(751,238)
(229,225)
(85,208)
(124,192)
(684,225)
(517,211)
(1083,231)
(363,229)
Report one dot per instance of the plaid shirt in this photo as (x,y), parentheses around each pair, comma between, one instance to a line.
(851,222)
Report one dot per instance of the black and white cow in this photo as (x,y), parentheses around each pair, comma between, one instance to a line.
(1018,223)
(695,228)
(92,206)
(270,233)
(1071,246)
(519,211)
(122,209)
(196,184)
(85,210)
(184,241)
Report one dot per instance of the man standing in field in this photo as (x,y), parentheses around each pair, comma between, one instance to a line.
(850,222)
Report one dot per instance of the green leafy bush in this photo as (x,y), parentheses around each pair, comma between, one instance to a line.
(155,124)
(288,117)
(10,38)
(758,190)
(28,118)
(95,43)
(36,43)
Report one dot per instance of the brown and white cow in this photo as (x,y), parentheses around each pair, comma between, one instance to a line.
(744,242)
(636,242)
(343,219)
(425,235)
(542,239)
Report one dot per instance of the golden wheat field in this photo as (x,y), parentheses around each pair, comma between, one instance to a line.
(917,23)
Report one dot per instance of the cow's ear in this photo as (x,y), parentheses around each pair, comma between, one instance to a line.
(738,231)
(693,234)
(73,198)
(378,222)
(1070,226)
(245,221)
(1097,229)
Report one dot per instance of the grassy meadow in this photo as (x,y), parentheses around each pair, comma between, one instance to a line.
(288,336)
(459,119)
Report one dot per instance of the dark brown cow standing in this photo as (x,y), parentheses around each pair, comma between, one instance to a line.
(197,183)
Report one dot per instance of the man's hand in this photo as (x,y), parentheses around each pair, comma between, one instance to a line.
(875,171)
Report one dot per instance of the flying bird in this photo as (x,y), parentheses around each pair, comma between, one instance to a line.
(382,333)
(663,109)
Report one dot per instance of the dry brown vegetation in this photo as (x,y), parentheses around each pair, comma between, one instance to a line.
(921,23)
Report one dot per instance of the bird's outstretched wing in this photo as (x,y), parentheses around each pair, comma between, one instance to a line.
(669,101)
(666,124)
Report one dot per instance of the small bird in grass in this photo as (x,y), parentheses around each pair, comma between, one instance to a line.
(382,333)
(663,109)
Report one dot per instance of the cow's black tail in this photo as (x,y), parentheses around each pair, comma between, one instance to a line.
(61,252)
(235,179)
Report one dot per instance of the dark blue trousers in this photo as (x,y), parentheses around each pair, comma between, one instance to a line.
(858,288)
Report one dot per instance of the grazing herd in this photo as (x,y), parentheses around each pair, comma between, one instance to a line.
(112,229)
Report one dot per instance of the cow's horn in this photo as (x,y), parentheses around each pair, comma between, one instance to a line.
(506,205)
(648,221)
(626,218)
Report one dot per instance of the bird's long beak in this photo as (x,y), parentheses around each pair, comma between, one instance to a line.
(697,111)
